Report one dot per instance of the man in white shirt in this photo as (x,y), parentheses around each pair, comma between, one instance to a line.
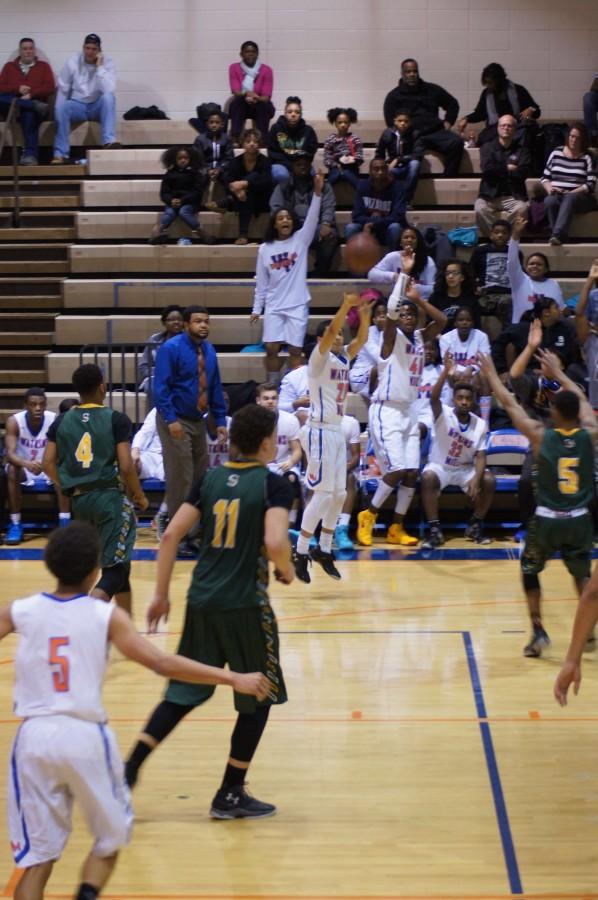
(457,457)
(288,445)
(294,393)
(86,87)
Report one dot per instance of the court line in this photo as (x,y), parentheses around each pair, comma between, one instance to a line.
(576,895)
(12,882)
(493,772)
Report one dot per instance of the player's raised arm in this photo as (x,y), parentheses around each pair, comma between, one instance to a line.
(365,320)
(531,428)
(184,519)
(329,336)
(438,319)
(435,394)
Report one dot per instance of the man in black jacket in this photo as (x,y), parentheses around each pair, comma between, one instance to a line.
(505,165)
(423,100)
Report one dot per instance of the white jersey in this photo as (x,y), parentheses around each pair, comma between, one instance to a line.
(218,454)
(146,440)
(454,445)
(31,446)
(399,375)
(281,272)
(295,384)
(464,352)
(287,430)
(430,375)
(351,432)
(328,377)
(61,656)
(366,359)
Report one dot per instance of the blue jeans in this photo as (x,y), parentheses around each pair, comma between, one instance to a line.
(590,112)
(407,173)
(67,111)
(29,121)
(386,234)
(188,214)
(343,174)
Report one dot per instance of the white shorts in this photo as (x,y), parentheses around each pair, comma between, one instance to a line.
(284,328)
(55,760)
(395,436)
(457,476)
(41,481)
(152,465)
(326,453)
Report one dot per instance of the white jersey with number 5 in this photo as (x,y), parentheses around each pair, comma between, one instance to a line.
(328,378)
(31,446)
(454,445)
(61,656)
(400,373)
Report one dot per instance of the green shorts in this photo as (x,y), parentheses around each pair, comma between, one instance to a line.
(113,515)
(246,639)
(573,538)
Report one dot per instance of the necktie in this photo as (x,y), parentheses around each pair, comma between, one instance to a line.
(202,394)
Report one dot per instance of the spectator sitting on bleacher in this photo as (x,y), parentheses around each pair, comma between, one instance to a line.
(362,370)
(401,148)
(569,179)
(424,100)
(457,457)
(293,396)
(251,83)
(181,192)
(248,180)
(29,81)
(533,282)
(146,453)
(430,375)
(217,152)
(505,165)
(172,321)
(295,195)
(218,451)
(26,439)
(454,287)
(289,135)
(586,324)
(86,87)
(379,207)
(464,342)
(343,151)
(412,258)
(287,461)
(501,97)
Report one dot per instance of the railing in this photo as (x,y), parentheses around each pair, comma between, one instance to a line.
(121,388)
(16,187)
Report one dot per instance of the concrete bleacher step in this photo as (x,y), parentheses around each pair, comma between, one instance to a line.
(47,259)
(27,173)
(22,293)
(39,193)
(26,233)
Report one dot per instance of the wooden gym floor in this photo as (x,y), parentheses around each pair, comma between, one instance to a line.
(420,755)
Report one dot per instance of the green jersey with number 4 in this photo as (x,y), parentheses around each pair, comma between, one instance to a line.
(564,469)
(86,438)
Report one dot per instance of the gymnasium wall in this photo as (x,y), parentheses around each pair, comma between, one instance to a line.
(175,53)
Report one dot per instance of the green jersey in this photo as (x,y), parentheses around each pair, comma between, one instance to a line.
(86,437)
(232,568)
(564,469)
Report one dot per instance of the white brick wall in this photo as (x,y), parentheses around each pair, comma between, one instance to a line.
(175,53)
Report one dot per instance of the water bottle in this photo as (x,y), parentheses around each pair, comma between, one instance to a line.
(184,242)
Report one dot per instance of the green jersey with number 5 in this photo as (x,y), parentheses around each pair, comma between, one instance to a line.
(232,568)
(564,469)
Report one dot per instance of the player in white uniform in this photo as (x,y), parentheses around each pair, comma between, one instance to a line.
(146,449)
(63,750)
(367,358)
(464,343)
(328,372)
(352,435)
(393,425)
(26,439)
(288,445)
(457,457)
(293,396)
(281,291)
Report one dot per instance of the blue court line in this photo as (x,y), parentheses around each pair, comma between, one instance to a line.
(495,783)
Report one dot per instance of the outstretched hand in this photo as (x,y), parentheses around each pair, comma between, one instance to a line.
(519,226)
(534,338)
(486,364)
(550,364)
(569,674)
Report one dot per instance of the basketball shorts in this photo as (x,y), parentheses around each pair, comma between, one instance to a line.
(246,639)
(286,328)
(448,476)
(56,760)
(113,515)
(326,453)
(41,481)
(395,436)
(573,538)
(152,465)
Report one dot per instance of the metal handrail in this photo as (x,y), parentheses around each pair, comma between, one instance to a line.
(137,348)
(16,185)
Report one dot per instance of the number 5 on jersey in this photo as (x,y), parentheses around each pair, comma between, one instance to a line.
(84,451)
(60,664)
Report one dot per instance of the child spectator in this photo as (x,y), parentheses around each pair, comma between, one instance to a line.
(217,150)
(400,148)
(180,192)
(489,265)
(248,181)
(343,151)
(289,135)
(454,287)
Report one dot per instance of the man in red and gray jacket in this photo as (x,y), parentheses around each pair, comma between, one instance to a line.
(31,81)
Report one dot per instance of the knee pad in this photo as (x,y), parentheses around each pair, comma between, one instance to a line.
(531,582)
(114,579)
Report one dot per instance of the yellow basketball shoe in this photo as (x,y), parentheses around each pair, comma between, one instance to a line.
(397,535)
(365,526)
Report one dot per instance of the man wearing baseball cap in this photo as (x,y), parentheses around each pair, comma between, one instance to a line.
(86,86)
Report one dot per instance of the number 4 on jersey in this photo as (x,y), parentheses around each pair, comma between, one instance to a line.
(84,451)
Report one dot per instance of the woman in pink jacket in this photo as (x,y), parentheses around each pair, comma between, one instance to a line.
(251,83)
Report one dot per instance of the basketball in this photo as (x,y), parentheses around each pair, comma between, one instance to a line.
(362,252)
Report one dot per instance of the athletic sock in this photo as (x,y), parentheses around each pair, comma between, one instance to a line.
(326,541)
(434,523)
(383,491)
(87,892)
(15,518)
(344,519)
(233,776)
(303,545)
(404,498)
(293,516)
(141,751)
(64,517)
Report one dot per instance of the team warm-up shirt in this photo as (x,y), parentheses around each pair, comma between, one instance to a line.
(455,445)
(232,568)
(218,454)
(328,378)
(294,385)
(525,291)
(399,375)
(287,430)
(392,264)
(464,352)
(31,445)
(86,437)
(146,440)
(281,273)
(61,656)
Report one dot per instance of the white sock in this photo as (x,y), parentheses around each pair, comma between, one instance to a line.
(404,497)
(163,508)
(383,491)
(344,519)
(325,541)
(64,517)
(292,516)
(15,518)
(303,545)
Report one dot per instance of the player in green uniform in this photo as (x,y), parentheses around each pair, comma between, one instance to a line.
(243,510)
(88,455)
(563,485)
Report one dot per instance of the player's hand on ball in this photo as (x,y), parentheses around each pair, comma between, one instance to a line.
(158,609)
(569,674)
(254,683)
